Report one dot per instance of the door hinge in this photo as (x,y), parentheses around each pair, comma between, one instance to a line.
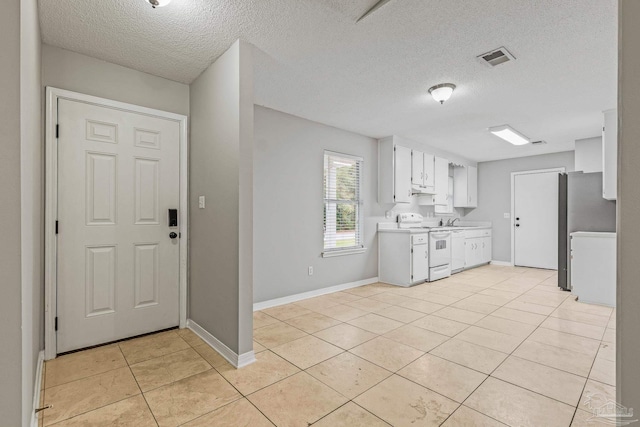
(411,250)
(56,226)
(57,130)
(56,324)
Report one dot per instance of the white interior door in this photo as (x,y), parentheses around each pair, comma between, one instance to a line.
(118,267)
(536,220)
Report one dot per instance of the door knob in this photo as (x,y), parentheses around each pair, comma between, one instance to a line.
(517,225)
(518,219)
(173,235)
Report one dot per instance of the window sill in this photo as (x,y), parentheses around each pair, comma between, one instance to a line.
(329,254)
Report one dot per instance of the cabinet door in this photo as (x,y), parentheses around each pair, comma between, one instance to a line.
(402,174)
(473,252)
(420,263)
(429,172)
(468,253)
(417,168)
(486,249)
(441,180)
(472,187)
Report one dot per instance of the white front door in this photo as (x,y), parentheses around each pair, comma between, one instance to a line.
(536,220)
(118,267)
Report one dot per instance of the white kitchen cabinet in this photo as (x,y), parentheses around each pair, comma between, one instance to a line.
(422,172)
(394,172)
(429,172)
(593,267)
(610,155)
(420,258)
(403,258)
(417,170)
(448,208)
(441,180)
(477,247)
(465,187)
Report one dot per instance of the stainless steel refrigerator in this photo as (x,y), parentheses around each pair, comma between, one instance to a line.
(580,208)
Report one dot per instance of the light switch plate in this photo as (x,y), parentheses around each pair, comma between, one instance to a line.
(507,215)
(201,202)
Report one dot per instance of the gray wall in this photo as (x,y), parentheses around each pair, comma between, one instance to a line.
(221,236)
(32,245)
(628,320)
(10,307)
(494,194)
(64,69)
(288,178)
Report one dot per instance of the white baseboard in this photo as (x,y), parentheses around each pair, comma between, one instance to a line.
(37,384)
(231,356)
(306,295)
(502,263)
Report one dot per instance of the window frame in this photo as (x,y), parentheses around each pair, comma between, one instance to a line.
(359,203)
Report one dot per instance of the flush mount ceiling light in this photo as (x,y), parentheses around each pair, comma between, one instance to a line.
(158,3)
(442,92)
(509,134)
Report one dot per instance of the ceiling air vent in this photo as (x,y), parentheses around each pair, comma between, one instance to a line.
(496,57)
(538,142)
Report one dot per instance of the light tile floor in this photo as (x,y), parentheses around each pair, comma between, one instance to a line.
(491,346)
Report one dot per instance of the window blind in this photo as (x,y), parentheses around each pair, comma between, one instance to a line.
(342,202)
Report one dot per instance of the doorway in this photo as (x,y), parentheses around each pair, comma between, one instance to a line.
(534,216)
(115,223)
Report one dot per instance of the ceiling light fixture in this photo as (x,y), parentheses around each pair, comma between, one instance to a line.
(509,134)
(158,3)
(442,92)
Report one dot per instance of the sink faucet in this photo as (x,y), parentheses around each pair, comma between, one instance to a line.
(450,222)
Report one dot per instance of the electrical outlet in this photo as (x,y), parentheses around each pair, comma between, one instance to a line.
(310,271)
(507,215)
(201,202)
(388,214)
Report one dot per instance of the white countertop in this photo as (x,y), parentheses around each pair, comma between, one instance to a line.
(392,227)
(600,234)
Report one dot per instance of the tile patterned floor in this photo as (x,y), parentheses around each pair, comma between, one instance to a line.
(491,346)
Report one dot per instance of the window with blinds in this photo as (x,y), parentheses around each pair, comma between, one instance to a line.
(342,203)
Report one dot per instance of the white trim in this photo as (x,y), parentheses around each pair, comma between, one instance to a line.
(231,356)
(341,252)
(306,295)
(513,201)
(51,199)
(502,263)
(37,385)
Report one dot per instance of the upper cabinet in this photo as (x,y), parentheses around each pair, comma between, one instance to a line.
(441,180)
(403,172)
(465,187)
(422,172)
(394,172)
(610,155)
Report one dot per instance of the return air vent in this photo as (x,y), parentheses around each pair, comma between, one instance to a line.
(538,142)
(496,57)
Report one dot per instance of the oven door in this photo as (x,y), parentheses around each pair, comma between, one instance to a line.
(439,248)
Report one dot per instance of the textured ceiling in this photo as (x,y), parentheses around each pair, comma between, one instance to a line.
(312,60)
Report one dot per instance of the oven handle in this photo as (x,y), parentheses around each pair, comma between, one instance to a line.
(443,235)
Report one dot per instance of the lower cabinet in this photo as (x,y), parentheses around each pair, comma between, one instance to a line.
(477,247)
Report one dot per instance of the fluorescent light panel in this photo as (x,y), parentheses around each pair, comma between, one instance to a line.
(509,134)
